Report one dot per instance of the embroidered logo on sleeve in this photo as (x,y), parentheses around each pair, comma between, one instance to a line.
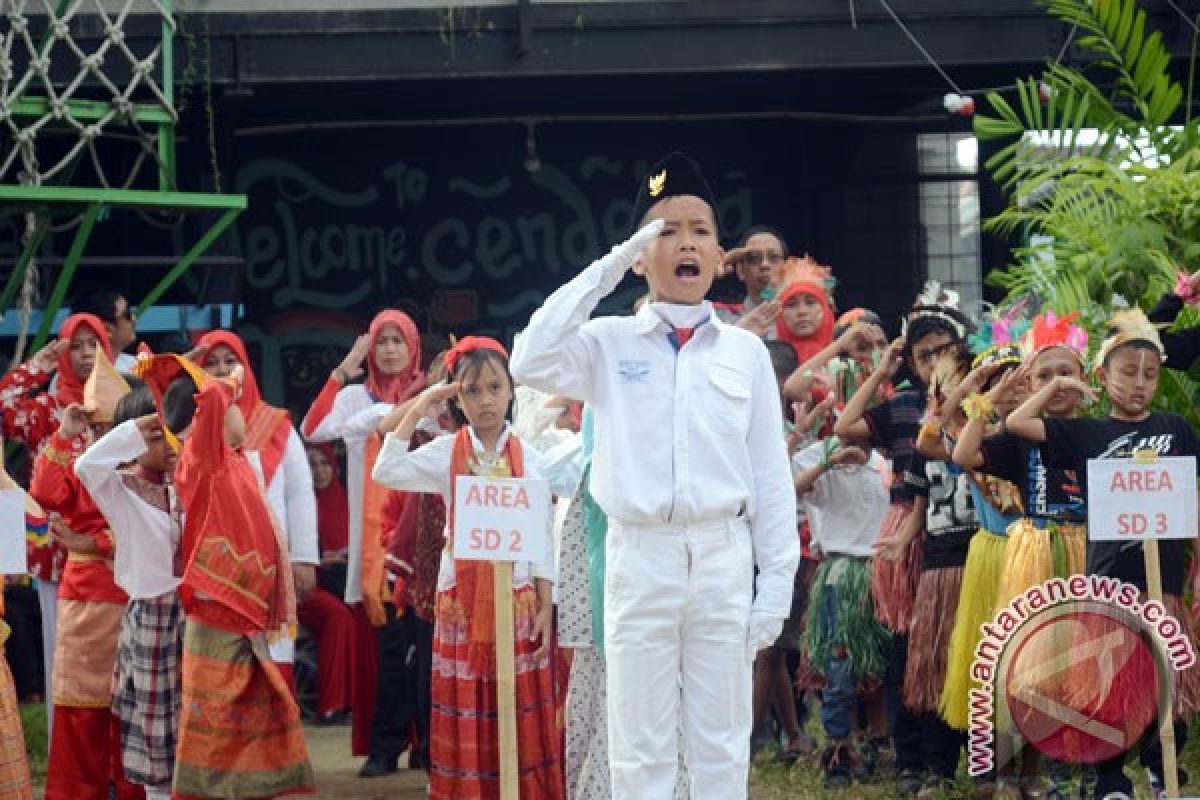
(633,371)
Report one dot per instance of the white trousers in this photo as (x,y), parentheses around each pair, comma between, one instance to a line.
(48,601)
(676,609)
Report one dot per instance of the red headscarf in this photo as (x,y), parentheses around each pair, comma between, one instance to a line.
(333,510)
(395,388)
(267,428)
(69,388)
(806,346)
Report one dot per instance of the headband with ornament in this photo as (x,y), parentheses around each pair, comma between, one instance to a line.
(469,344)
(939,303)
(1129,326)
(1050,330)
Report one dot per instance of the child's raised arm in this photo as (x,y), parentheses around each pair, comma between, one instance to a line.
(1027,422)
(552,354)
(851,424)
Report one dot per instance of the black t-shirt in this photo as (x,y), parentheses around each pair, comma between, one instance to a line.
(950,520)
(1070,443)
(894,425)
(1046,493)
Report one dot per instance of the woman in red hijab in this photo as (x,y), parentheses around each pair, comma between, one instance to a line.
(806,318)
(324,613)
(271,439)
(30,411)
(389,357)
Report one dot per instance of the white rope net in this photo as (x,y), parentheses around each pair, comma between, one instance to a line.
(57,52)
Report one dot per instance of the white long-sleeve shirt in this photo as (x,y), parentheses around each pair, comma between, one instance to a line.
(350,402)
(681,438)
(294,501)
(846,505)
(427,470)
(143,564)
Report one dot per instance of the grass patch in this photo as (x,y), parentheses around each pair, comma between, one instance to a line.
(37,739)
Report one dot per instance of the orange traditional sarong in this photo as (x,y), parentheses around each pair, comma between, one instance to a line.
(14,766)
(239,728)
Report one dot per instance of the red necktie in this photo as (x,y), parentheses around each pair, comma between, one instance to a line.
(683,335)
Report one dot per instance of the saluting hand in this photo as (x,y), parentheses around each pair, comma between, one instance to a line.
(352,365)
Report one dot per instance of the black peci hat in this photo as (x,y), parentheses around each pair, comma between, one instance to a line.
(674,175)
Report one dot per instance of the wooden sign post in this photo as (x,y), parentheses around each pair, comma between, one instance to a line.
(503,520)
(1145,499)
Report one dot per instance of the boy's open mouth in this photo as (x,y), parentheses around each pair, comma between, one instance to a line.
(687,268)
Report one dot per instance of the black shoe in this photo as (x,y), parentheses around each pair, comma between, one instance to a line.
(416,760)
(377,766)
(837,762)
(909,782)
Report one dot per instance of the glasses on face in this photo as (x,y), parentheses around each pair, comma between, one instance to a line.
(756,258)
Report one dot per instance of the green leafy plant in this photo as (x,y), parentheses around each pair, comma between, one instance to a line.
(1103,182)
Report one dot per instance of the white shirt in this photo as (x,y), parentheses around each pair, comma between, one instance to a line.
(846,505)
(293,500)
(143,564)
(427,470)
(683,438)
(350,401)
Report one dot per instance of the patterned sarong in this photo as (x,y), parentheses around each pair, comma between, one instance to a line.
(464,739)
(147,688)
(239,728)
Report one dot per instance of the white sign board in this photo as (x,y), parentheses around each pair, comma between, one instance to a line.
(1130,500)
(12,532)
(501,519)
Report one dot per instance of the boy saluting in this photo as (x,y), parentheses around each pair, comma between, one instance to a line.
(693,474)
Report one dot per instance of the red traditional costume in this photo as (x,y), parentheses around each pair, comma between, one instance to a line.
(85,740)
(239,730)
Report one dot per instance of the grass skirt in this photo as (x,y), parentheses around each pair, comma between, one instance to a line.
(977,605)
(1034,555)
(894,583)
(864,639)
(929,638)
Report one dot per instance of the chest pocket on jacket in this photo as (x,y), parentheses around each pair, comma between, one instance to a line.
(730,408)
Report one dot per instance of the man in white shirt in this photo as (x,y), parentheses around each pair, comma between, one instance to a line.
(691,468)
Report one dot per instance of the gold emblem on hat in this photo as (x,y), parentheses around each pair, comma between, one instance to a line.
(658,183)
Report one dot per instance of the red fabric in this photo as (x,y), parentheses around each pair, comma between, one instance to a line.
(56,487)
(395,388)
(475,580)
(235,576)
(267,428)
(69,388)
(469,344)
(806,346)
(332,623)
(321,407)
(684,335)
(333,507)
(85,754)
(362,685)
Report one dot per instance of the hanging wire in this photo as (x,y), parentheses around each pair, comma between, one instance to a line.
(1183,16)
(920,47)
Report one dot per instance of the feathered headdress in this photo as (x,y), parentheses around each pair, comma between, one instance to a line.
(938,302)
(1127,326)
(1050,330)
(807,270)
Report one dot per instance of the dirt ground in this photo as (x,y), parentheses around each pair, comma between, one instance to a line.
(337,770)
